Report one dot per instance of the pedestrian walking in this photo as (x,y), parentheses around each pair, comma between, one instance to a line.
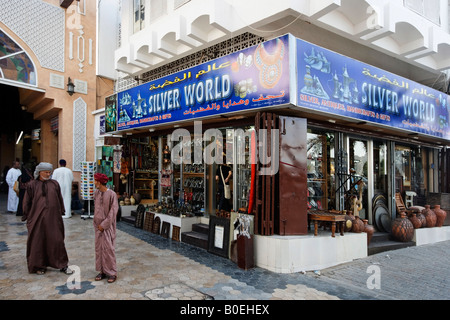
(24,181)
(105,211)
(4,185)
(64,176)
(43,208)
(11,178)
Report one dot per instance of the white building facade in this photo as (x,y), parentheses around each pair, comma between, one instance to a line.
(140,41)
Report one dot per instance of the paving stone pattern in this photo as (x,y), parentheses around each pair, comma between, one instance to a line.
(151,267)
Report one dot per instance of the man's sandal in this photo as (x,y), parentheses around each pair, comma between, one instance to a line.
(40,271)
(100,276)
(111,279)
(66,270)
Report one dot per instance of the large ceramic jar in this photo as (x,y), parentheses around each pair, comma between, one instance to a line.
(415,221)
(422,219)
(402,229)
(137,197)
(358,225)
(369,230)
(440,215)
(430,216)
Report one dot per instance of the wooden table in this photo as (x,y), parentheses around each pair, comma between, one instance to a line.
(327,216)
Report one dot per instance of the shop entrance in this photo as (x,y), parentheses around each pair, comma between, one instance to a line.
(321,178)
(19,137)
(357,198)
(411,178)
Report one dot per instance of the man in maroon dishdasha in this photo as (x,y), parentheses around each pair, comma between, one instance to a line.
(43,208)
(106,207)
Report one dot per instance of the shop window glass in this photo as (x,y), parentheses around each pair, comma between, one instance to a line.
(429,9)
(357,192)
(242,146)
(409,170)
(402,168)
(321,170)
(183,176)
(139,15)
(142,163)
(380,167)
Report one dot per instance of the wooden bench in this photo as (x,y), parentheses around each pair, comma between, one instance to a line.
(326,216)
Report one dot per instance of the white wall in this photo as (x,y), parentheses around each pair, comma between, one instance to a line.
(107,28)
(398,33)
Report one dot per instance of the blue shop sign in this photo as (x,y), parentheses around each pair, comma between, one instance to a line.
(260,77)
(332,83)
(253,78)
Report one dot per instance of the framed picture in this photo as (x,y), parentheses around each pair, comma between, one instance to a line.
(219,236)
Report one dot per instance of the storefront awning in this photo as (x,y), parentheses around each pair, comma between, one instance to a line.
(284,72)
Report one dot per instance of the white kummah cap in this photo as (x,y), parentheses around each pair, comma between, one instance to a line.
(43,166)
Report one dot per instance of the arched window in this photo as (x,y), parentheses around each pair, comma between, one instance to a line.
(15,64)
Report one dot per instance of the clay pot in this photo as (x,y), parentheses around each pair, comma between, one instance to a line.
(415,221)
(349,218)
(369,230)
(137,197)
(422,219)
(430,216)
(358,225)
(132,201)
(402,229)
(440,215)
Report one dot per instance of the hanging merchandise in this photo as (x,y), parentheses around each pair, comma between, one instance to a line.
(166,178)
(251,200)
(124,170)
(88,170)
(117,158)
(166,155)
(106,165)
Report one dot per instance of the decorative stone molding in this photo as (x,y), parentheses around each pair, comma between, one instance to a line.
(81,86)
(57,81)
(42,29)
(79,133)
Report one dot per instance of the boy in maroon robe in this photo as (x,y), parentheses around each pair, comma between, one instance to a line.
(43,208)
(106,207)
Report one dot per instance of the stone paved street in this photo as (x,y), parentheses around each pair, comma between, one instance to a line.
(154,268)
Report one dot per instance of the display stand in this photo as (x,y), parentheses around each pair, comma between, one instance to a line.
(245,251)
(87,185)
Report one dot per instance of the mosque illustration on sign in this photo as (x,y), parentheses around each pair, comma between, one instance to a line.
(344,91)
(124,101)
(313,86)
(123,115)
(138,107)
